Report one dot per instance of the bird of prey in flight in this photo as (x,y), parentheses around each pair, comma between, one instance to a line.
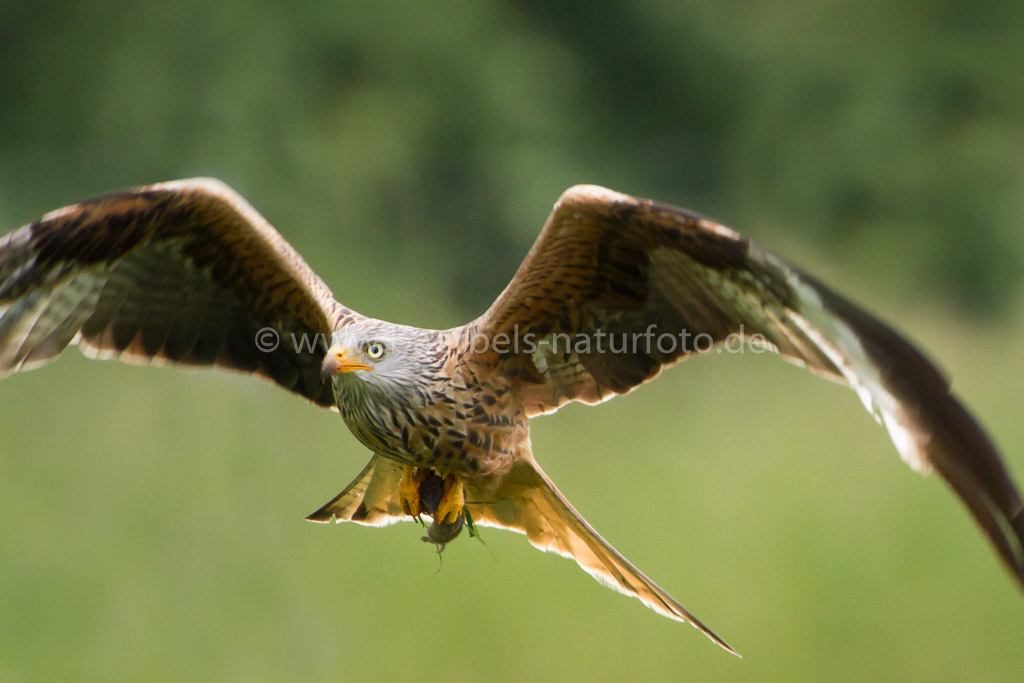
(614,290)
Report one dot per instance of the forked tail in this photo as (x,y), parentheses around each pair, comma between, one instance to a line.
(526,501)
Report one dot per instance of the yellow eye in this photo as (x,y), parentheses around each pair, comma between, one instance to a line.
(375,350)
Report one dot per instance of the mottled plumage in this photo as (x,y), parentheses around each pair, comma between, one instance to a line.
(187,272)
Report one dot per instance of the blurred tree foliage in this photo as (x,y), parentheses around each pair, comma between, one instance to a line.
(414,126)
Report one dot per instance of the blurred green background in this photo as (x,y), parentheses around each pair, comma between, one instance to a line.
(152,519)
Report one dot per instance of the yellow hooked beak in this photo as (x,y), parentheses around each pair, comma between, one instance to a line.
(337,362)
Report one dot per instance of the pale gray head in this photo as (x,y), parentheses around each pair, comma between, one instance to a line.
(380,362)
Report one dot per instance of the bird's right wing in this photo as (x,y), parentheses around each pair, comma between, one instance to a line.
(527,501)
(616,288)
(181,272)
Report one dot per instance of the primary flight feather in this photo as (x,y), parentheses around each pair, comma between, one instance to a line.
(614,290)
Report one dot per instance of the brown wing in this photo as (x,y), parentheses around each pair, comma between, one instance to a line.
(631,273)
(181,272)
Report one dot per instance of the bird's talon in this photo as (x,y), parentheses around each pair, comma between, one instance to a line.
(409,489)
(452,502)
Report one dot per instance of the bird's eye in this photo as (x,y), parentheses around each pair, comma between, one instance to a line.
(375,350)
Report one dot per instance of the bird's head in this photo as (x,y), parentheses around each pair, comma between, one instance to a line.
(372,354)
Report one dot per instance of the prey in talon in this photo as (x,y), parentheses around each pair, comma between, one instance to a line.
(424,492)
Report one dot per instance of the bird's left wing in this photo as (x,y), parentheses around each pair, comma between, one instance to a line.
(182,272)
(617,288)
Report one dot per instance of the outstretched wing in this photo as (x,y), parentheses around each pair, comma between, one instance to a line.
(617,288)
(528,502)
(181,272)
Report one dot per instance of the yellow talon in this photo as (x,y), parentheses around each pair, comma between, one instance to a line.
(452,502)
(409,489)
(409,492)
